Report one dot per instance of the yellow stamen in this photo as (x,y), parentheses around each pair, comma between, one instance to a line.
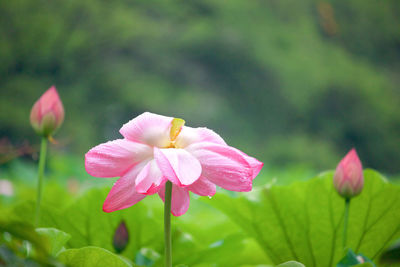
(176,128)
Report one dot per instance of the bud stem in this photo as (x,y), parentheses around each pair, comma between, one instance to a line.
(345,220)
(167,224)
(42,163)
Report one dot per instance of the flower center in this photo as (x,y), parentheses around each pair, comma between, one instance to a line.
(176,128)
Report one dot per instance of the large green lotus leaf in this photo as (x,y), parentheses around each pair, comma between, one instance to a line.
(88,225)
(219,253)
(91,257)
(56,238)
(209,238)
(202,236)
(303,221)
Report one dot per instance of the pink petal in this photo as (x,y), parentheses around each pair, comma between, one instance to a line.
(149,179)
(177,165)
(180,199)
(148,128)
(255,164)
(47,113)
(349,179)
(123,193)
(50,102)
(202,187)
(49,98)
(114,158)
(223,165)
(190,135)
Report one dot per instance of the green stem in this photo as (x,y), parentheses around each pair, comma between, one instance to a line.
(167,224)
(345,220)
(42,163)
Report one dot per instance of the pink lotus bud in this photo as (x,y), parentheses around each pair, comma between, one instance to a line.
(348,179)
(47,113)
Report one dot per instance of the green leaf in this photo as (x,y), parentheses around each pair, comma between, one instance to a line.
(91,256)
(8,257)
(291,264)
(353,259)
(392,254)
(24,231)
(57,239)
(146,257)
(220,252)
(88,225)
(19,242)
(303,221)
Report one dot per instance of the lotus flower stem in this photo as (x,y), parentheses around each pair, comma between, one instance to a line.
(345,220)
(167,224)
(42,162)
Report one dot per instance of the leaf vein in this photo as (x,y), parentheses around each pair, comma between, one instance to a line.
(281,222)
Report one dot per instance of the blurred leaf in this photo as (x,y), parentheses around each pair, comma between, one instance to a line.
(291,264)
(10,259)
(220,252)
(24,231)
(392,254)
(57,239)
(303,221)
(91,257)
(146,257)
(353,259)
(20,243)
(88,225)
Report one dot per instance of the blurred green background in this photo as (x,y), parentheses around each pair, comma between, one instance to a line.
(294,83)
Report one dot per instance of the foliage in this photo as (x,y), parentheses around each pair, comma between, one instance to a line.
(91,256)
(392,254)
(301,221)
(21,245)
(304,221)
(291,264)
(56,238)
(352,259)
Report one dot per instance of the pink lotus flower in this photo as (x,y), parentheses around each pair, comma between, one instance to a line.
(348,179)
(47,113)
(155,149)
